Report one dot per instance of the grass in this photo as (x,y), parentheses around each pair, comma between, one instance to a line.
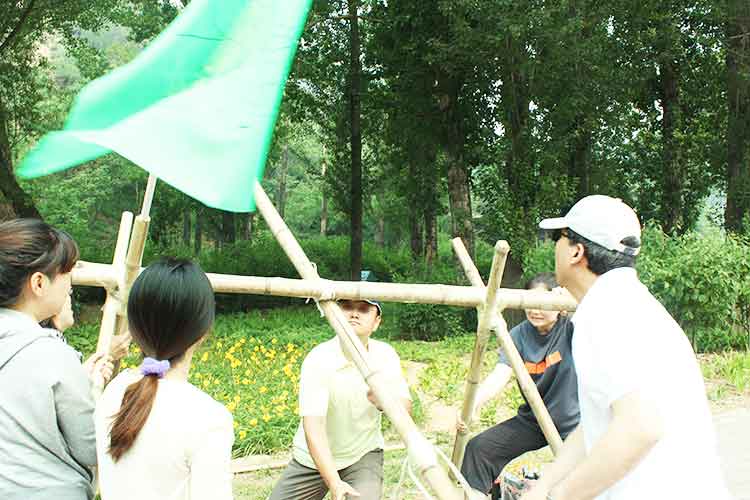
(251,362)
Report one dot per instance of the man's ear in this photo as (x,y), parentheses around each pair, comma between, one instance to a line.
(38,283)
(578,253)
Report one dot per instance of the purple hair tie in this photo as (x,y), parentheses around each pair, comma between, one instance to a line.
(151,366)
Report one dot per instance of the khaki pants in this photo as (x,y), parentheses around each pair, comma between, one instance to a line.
(302,483)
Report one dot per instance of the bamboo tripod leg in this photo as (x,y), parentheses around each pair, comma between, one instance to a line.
(435,476)
(134,257)
(529,389)
(486,317)
(112,305)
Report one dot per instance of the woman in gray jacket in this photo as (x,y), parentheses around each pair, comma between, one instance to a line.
(47,443)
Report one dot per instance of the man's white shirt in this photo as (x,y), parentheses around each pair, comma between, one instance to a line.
(625,341)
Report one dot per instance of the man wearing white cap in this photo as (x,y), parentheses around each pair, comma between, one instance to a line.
(646,431)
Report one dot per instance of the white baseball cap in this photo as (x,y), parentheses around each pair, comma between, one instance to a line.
(601,219)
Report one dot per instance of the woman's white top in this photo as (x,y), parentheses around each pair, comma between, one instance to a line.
(183,451)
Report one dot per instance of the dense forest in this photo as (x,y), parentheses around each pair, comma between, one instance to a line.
(404,123)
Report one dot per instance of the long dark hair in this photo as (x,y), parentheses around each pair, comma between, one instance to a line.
(170,308)
(28,246)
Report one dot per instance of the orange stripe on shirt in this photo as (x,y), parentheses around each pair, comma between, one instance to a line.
(539,368)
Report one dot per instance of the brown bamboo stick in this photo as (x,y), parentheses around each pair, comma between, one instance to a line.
(427,466)
(470,270)
(112,305)
(103,275)
(486,317)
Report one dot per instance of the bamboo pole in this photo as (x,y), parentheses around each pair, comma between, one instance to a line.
(103,275)
(485,322)
(113,304)
(419,447)
(528,387)
(134,257)
(470,270)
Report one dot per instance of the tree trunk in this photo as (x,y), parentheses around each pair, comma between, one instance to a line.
(19,200)
(198,235)
(738,103)
(355,253)
(281,191)
(580,150)
(324,201)
(380,232)
(246,226)
(415,230)
(186,226)
(671,196)
(459,197)
(228,230)
(431,236)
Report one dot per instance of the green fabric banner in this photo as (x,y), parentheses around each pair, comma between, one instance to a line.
(196,108)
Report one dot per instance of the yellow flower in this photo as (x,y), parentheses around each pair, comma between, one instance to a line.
(245,381)
(266,417)
(254,422)
(206,383)
(236,398)
(263,390)
(204,358)
(243,434)
(235,424)
(242,341)
(274,341)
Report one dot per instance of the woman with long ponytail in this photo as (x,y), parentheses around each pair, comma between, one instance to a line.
(158,436)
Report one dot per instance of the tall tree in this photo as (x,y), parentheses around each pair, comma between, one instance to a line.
(355,138)
(737,36)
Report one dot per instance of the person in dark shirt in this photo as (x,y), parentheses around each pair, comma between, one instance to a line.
(544,343)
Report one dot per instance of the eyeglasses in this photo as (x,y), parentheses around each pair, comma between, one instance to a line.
(559,233)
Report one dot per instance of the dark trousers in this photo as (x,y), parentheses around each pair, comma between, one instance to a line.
(302,483)
(488,453)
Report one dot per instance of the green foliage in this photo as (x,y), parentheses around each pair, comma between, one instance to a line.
(538,259)
(704,282)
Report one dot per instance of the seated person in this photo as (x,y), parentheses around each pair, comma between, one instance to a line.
(339,443)
(544,343)
(158,436)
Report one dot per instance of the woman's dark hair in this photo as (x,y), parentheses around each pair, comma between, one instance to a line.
(600,260)
(170,308)
(28,246)
(545,279)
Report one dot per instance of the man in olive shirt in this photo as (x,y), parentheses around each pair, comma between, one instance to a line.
(339,443)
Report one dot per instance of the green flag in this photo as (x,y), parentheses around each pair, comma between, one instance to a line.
(196,108)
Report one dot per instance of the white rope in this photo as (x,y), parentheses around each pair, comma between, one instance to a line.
(327,291)
(407,468)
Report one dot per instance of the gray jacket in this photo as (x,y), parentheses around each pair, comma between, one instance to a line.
(47,439)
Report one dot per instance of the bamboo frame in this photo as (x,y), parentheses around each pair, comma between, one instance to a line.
(118,277)
(419,447)
(104,275)
(527,385)
(486,317)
